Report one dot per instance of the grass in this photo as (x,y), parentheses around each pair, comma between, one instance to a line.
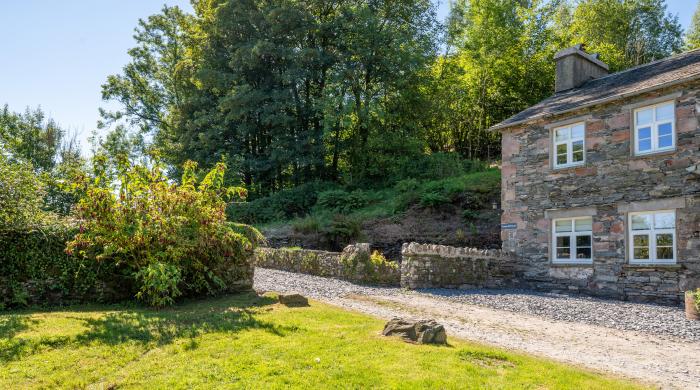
(246,341)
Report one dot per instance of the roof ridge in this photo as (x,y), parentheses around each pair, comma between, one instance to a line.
(675,56)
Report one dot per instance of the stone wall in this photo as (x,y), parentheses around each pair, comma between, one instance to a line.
(352,264)
(611,180)
(439,266)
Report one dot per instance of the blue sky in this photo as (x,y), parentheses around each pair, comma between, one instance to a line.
(56,54)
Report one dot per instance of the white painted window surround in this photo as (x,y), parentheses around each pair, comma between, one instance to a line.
(569,148)
(652,237)
(572,240)
(655,128)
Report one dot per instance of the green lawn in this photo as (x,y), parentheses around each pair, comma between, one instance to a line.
(247,341)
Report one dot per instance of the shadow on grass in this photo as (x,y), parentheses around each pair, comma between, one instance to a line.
(152,328)
(12,324)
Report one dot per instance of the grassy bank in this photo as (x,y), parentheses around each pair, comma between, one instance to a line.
(247,341)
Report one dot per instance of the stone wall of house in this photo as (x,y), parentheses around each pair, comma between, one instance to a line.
(353,264)
(439,266)
(611,180)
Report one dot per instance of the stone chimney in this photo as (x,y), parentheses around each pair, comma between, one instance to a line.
(575,67)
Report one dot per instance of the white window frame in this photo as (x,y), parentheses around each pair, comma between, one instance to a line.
(655,129)
(569,146)
(572,241)
(651,234)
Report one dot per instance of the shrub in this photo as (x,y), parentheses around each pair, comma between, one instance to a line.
(171,239)
(341,231)
(35,270)
(434,199)
(159,284)
(342,201)
(696,296)
(286,204)
(308,225)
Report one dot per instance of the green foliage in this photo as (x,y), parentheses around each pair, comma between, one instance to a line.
(282,205)
(626,33)
(342,201)
(341,230)
(692,36)
(21,195)
(35,270)
(158,283)
(696,296)
(158,230)
(434,199)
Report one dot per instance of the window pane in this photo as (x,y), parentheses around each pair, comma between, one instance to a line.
(664,112)
(563,253)
(563,225)
(665,129)
(641,240)
(564,242)
(577,151)
(584,225)
(665,239)
(644,133)
(577,132)
(583,253)
(641,222)
(641,253)
(644,145)
(666,142)
(644,116)
(583,241)
(561,149)
(664,253)
(665,220)
(561,134)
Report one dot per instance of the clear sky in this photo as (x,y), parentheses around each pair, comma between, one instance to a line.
(56,54)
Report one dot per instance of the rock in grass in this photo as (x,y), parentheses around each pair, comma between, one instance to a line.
(421,331)
(293,299)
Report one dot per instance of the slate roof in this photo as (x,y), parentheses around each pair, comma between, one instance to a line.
(668,71)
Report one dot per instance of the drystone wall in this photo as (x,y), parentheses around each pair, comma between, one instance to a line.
(439,266)
(353,263)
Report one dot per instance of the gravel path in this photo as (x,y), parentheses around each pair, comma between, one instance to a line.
(648,342)
(661,321)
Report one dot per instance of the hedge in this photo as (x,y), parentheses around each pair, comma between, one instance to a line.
(35,271)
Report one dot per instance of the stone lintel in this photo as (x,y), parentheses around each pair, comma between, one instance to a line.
(571,213)
(568,121)
(649,102)
(652,205)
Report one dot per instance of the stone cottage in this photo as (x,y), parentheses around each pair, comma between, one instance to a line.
(601,181)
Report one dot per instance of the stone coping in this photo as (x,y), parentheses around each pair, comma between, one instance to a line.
(445,251)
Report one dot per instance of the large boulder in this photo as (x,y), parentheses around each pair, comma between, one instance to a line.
(420,331)
(293,299)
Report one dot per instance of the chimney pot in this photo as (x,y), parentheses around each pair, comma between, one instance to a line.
(575,67)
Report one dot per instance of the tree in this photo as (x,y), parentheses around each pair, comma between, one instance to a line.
(502,63)
(152,86)
(32,137)
(21,195)
(626,33)
(692,36)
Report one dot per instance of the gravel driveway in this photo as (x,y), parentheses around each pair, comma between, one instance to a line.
(647,342)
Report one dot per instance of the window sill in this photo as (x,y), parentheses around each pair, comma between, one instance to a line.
(564,168)
(572,265)
(653,266)
(660,153)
